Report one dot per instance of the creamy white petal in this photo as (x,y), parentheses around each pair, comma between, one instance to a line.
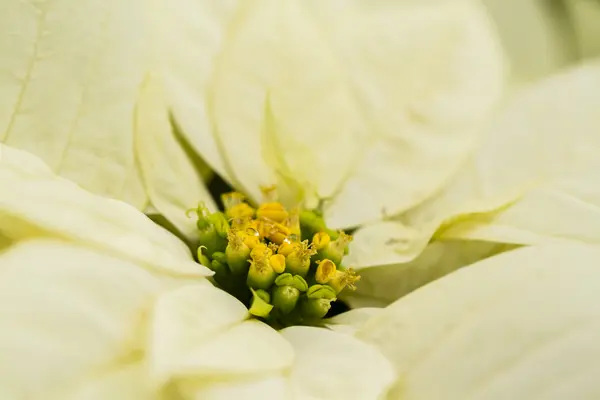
(424,76)
(72,78)
(380,285)
(67,95)
(70,319)
(188,74)
(36,203)
(331,365)
(125,383)
(280,103)
(547,142)
(300,95)
(350,321)
(202,331)
(535,166)
(520,325)
(171,181)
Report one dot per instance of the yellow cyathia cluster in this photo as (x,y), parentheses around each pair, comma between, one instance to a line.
(285,265)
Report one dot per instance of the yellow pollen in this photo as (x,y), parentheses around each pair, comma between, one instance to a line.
(344,279)
(321,239)
(274,211)
(236,238)
(343,240)
(277,263)
(303,250)
(260,252)
(325,271)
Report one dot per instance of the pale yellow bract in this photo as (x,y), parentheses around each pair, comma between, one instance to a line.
(371,103)
(532,180)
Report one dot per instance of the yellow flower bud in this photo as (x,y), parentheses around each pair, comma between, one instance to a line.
(286,247)
(325,271)
(277,263)
(274,211)
(320,240)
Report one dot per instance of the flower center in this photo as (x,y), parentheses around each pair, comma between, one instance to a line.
(285,265)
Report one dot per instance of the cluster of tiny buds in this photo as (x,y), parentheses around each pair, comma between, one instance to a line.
(286,265)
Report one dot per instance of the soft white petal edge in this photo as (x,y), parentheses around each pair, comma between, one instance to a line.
(523,324)
(34,202)
(70,320)
(332,365)
(203,332)
(547,140)
(381,285)
(536,165)
(171,180)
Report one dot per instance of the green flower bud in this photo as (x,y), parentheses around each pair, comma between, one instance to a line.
(238,260)
(321,292)
(260,275)
(297,265)
(297,262)
(213,232)
(285,298)
(295,281)
(315,308)
(285,279)
(312,222)
(335,250)
(260,306)
(237,252)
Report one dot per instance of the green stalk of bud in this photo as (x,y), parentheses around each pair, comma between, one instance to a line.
(260,306)
(260,275)
(285,298)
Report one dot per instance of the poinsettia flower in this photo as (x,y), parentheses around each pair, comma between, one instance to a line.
(96,302)
(368,103)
